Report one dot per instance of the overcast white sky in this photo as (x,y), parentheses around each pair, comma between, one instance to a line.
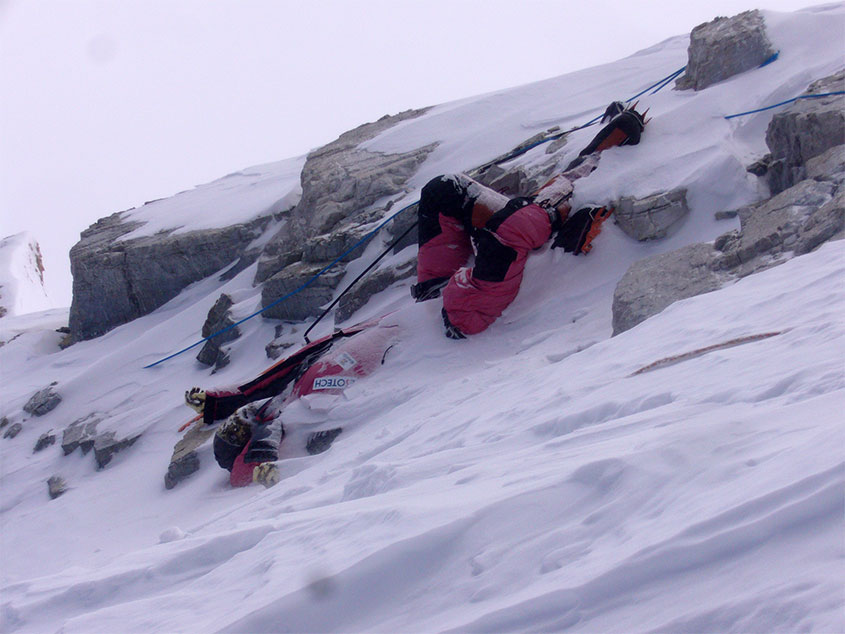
(109,103)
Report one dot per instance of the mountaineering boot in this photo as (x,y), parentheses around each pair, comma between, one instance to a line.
(320,441)
(577,233)
(429,289)
(624,128)
(451,331)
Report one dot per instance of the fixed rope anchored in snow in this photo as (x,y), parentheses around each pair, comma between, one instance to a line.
(783,103)
(656,86)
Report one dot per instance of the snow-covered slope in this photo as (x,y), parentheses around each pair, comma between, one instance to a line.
(21,276)
(520,480)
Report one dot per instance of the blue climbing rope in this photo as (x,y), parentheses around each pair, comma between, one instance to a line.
(302,287)
(657,86)
(783,103)
(553,137)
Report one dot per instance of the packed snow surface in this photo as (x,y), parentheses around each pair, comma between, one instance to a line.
(519,480)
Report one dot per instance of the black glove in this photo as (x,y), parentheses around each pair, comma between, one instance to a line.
(577,233)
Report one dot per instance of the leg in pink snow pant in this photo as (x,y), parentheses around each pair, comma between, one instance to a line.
(475,297)
(445,216)
(448,216)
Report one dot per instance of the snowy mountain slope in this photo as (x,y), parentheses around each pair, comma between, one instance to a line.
(21,276)
(235,198)
(518,480)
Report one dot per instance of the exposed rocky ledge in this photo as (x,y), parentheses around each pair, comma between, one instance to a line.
(795,221)
(341,184)
(116,281)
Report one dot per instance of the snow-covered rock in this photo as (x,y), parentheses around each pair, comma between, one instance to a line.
(804,130)
(21,276)
(651,218)
(725,47)
(793,222)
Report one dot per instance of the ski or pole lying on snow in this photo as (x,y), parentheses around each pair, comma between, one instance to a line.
(662,363)
(190,422)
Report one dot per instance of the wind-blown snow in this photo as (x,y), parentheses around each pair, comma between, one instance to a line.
(519,480)
(21,276)
(235,198)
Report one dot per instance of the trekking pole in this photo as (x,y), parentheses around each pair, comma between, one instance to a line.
(357,279)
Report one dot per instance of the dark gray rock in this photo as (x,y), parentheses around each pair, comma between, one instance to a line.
(276,349)
(43,401)
(804,130)
(305,303)
(340,182)
(219,318)
(116,281)
(772,229)
(330,246)
(652,217)
(45,440)
(108,444)
(3,422)
(761,166)
(725,47)
(181,469)
(828,166)
(824,224)
(223,359)
(321,441)
(13,430)
(56,486)
(404,224)
(80,433)
(369,285)
(657,282)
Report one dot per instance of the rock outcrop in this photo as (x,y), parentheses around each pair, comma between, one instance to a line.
(651,218)
(725,47)
(808,128)
(657,282)
(219,318)
(370,284)
(43,401)
(84,435)
(56,486)
(81,433)
(116,281)
(341,183)
(793,222)
(44,440)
